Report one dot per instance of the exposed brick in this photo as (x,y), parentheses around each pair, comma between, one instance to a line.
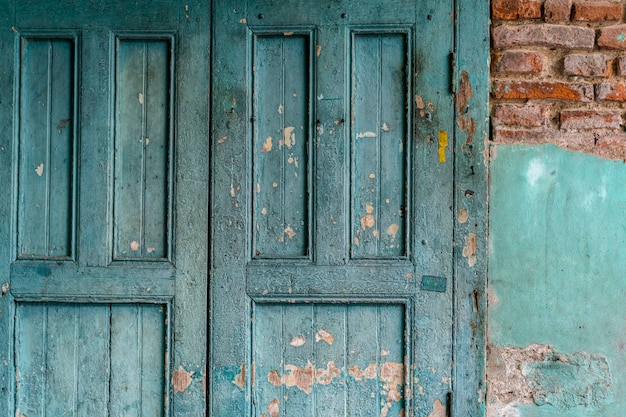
(622,65)
(573,37)
(518,62)
(529,115)
(586,119)
(516,9)
(611,91)
(597,11)
(534,137)
(588,65)
(613,37)
(513,89)
(557,10)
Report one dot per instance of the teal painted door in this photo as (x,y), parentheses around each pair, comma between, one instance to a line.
(331,261)
(103,239)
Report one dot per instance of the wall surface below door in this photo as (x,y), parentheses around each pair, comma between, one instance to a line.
(557,316)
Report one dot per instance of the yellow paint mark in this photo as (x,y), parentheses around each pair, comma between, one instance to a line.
(39,169)
(267,145)
(318,50)
(289,138)
(222,139)
(280,109)
(298,341)
(469,251)
(367,221)
(134,246)
(240,379)
(443,143)
(419,102)
(325,336)
(369,209)
(290,232)
(463,215)
(140,96)
(367,135)
(438,409)
(274,408)
(181,379)
(243,21)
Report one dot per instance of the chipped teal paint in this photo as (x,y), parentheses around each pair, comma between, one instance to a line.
(79,333)
(621,37)
(557,238)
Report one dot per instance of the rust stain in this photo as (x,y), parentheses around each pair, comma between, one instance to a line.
(39,169)
(469,251)
(325,336)
(325,376)
(243,21)
(438,409)
(267,145)
(367,373)
(463,216)
(298,341)
(181,379)
(462,96)
(62,124)
(240,379)
(273,409)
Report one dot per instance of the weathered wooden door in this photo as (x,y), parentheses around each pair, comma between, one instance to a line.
(103,207)
(331,261)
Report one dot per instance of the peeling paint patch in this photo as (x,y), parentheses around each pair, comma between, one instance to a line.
(222,139)
(469,251)
(298,341)
(273,408)
(318,50)
(289,138)
(290,232)
(392,374)
(240,378)
(181,379)
(267,145)
(39,169)
(392,231)
(462,97)
(5,288)
(325,336)
(438,409)
(463,216)
(367,373)
(539,375)
(367,135)
(134,246)
(325,376)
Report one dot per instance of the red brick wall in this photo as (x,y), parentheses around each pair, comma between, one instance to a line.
(558,70)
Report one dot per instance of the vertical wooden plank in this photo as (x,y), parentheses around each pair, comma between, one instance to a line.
(130,136)
(268,390)
(281,97)
(126,361)
(93,359)
(30,359)
(61,360)
(152,346)
(472,51)
(33,222)
(299,367)
(329,340)
(363,352)
(60,169)
(392,378)
(156,215)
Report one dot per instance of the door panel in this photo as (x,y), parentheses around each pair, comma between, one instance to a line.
(331,282)
(103,256)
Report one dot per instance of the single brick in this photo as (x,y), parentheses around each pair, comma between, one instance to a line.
(597,11)
(559,36)
(516,9)
(591,65)
(585,119)
(613,37)
(568,140)
(611,91)
(529,115)
(513,89)
(557,10)
(518,62)
(622,65)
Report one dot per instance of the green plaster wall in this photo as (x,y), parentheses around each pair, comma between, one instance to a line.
(557,276)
